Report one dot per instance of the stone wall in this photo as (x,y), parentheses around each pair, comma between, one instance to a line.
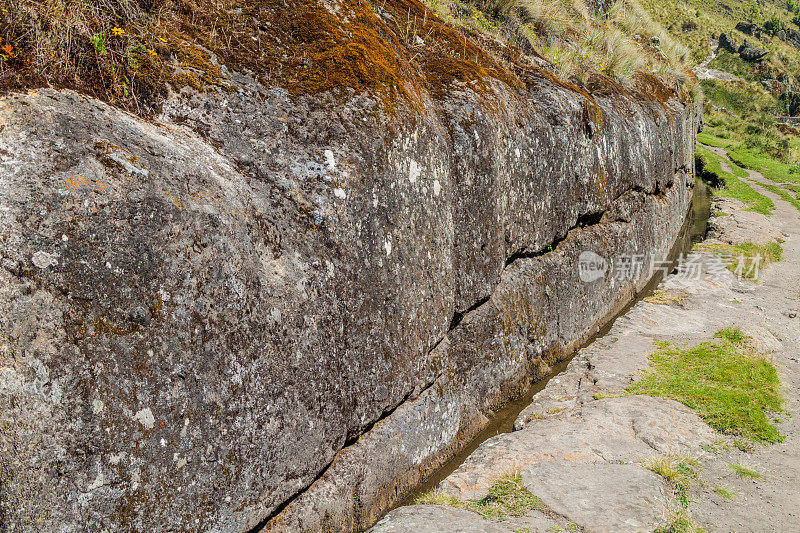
(270,309)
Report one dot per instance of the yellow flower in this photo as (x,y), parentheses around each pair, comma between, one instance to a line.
(117,31)
(151,52)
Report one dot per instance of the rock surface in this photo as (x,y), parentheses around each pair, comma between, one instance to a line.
(266,309)
(727,43)
(631,496)
(738,226)
(580,446)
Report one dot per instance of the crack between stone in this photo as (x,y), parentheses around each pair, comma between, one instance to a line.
(459,316)
(586,220)
(262,524)
(590,219)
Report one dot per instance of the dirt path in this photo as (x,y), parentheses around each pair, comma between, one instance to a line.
(773,502)
(704,73)
(579,447)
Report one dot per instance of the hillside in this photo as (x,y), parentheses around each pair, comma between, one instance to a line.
(747,112)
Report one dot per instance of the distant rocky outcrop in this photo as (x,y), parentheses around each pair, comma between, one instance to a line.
(792,37)
(789,35)
(750,28)
(792,101)
(745,50)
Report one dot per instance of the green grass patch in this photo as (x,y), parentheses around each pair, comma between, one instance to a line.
(678,470)
(784,194)
(731,334)
(732,390)
(770,167)
(708,139)
(725,493)
(747,259)
(744,445)
(709,167)
(744,472)
(507,497)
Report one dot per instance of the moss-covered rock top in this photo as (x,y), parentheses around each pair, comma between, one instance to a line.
(131,53)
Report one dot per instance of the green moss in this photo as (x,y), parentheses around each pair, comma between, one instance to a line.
(731,389)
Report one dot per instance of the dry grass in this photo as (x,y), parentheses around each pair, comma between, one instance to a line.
(131,52)
(662,297)
(620,44)
(107,48)
(676,469)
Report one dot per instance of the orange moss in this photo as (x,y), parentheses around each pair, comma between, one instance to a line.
(649,87)
(396,49)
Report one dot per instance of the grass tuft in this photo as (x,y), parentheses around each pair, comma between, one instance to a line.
(681,522)
(678,470)
(744,472)
(718,446)
(725,493)
(507,497)
(732,390)
(662,297)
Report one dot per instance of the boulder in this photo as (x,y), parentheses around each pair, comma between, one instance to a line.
(727,43)
(752,54)
(792,37)
(747,27)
